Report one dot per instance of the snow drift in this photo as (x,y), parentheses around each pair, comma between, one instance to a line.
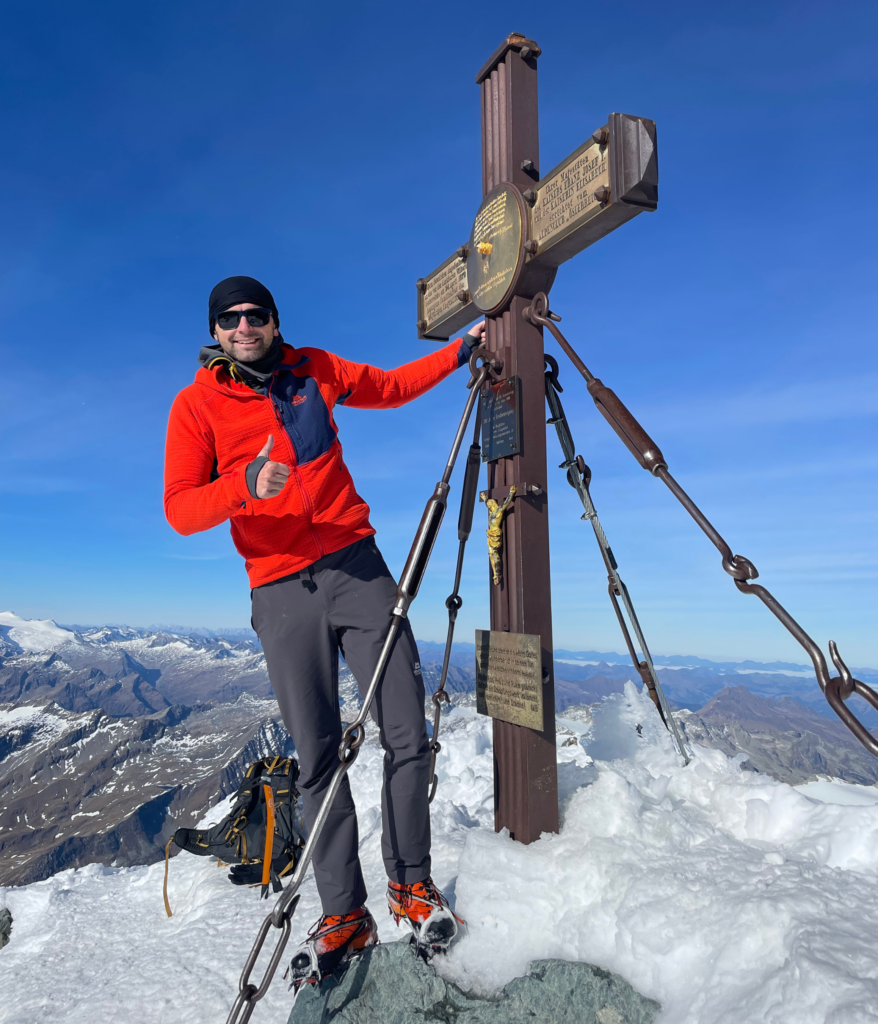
(726,896)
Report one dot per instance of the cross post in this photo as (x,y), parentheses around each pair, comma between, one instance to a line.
(524,229)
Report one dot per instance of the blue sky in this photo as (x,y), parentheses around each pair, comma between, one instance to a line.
(334,153)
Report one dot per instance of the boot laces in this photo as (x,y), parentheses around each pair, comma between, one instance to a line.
(330,923)
(421,892)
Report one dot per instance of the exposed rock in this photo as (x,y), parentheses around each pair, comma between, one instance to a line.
(79,789)
(388,983)
(80,678)
(781,738)
(461,679)
(5,926)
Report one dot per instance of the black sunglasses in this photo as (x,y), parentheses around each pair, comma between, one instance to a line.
(229,320)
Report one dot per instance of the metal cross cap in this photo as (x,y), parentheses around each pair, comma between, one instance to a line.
(527,225)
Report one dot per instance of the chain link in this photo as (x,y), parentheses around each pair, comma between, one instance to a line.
(249,994)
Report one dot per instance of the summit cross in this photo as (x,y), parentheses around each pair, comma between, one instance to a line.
(525,228)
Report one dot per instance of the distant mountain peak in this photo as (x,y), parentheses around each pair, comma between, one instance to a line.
(34,634)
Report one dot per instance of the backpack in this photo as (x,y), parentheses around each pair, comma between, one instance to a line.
(262,836)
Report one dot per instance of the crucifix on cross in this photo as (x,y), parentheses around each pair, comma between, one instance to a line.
(527,226)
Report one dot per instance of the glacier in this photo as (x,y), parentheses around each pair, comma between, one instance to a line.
(34,634)
(728,897)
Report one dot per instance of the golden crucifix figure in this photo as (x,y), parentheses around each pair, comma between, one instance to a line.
(494,534)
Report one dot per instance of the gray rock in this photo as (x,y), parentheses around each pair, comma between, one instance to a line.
(5,926)
(391,985)
(781,738)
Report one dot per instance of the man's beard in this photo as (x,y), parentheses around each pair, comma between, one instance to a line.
(249,355)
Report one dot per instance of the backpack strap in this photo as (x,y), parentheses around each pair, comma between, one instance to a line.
(269,839)
(165,885)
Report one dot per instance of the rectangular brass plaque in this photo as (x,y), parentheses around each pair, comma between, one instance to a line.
(565,198)
(509,677)
(440,312)
(501,419)
(568,217)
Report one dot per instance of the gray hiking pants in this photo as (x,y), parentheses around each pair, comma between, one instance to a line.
(343,602)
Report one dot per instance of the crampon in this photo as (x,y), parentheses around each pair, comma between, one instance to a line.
(425,910)
(332,941)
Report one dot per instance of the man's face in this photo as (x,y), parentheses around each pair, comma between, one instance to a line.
(245,343)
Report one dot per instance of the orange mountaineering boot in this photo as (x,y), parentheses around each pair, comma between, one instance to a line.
(332,941)
(423,907)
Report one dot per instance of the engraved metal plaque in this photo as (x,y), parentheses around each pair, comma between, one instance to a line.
(566,199)
(444,304)
(509,677)
(607,181)
(501,419)
(494,248)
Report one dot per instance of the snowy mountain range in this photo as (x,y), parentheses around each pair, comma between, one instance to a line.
(126,670)
(111,737)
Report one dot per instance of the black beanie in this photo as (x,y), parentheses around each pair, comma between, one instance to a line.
(235,290)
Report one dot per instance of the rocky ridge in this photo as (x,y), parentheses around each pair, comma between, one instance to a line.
(781,738)
(85,787)
(131,672)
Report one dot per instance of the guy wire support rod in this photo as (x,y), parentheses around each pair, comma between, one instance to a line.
(579,477)
(454,602)
(353,736)
(836,689)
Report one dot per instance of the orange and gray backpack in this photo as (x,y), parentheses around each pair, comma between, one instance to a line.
(262,837)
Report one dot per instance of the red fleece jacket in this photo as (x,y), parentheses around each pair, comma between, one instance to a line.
(218,426)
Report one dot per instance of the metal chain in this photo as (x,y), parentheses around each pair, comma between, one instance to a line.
(454,602)
(353,736)
(579,477)
(836,689)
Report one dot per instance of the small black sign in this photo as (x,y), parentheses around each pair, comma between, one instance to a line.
(501,419)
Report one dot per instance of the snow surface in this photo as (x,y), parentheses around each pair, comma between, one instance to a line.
(35,634)
(730,898)
(40,720)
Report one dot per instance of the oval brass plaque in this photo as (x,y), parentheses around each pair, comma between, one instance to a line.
(494,249)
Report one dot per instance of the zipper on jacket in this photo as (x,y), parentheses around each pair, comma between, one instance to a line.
(309,505)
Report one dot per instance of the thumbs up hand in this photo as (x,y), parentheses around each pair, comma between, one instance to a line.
(272,477)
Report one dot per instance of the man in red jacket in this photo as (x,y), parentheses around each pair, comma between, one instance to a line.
(253,440)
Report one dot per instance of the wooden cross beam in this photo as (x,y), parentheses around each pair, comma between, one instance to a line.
(525,228)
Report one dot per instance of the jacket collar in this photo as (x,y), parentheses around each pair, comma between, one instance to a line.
(217,365)
(256,372)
